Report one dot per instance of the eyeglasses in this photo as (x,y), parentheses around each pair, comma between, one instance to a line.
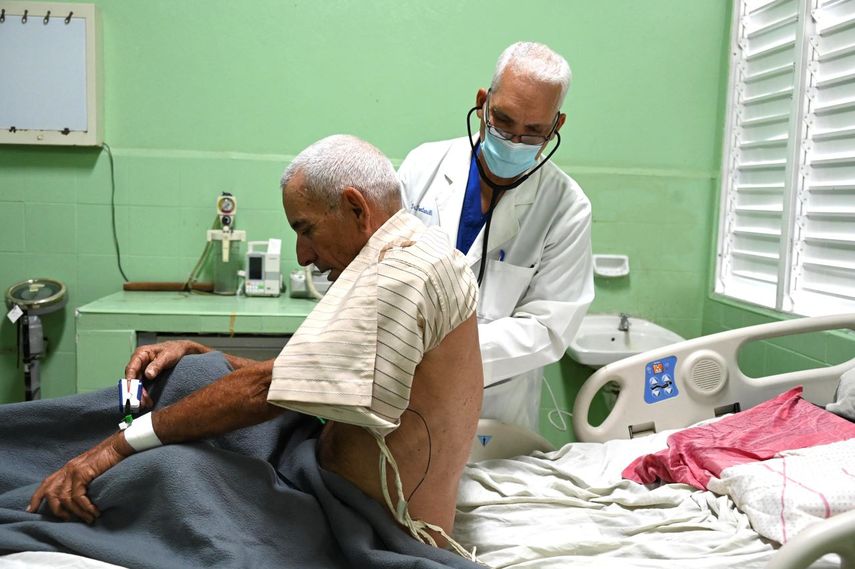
(527,139)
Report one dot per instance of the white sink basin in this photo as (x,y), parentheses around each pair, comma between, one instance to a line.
(599,342)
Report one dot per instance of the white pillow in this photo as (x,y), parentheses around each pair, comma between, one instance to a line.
(785,495)
(844,399)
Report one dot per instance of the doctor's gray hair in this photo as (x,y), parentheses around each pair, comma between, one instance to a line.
(535,60)
(339,161)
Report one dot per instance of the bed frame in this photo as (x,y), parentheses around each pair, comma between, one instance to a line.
(834,535)
(705,381)
(678,385)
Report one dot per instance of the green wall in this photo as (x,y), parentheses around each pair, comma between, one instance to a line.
(204,97)
(769,357)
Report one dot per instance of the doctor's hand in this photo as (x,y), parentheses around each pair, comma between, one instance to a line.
(65,490)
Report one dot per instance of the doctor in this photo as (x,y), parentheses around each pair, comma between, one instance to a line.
(524,225)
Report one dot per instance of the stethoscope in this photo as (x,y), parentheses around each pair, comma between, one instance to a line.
(498,189)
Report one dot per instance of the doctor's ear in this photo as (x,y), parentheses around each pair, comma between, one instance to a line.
(480,99)
(561,118)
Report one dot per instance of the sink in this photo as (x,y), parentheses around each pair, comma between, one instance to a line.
(599,342)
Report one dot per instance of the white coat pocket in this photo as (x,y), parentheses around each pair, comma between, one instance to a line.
(502,288)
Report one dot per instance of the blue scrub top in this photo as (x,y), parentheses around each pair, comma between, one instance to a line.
(471,217)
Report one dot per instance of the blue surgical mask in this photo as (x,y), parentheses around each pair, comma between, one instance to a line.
(507,159)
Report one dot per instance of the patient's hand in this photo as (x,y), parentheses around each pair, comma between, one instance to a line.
(156,358)
(65,490)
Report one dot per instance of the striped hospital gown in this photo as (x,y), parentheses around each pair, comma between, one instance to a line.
(353,359)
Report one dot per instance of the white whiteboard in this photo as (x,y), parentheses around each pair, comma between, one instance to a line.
(47,74)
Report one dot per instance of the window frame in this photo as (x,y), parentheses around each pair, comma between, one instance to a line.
(798,143)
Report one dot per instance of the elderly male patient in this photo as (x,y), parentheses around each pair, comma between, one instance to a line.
(389,358)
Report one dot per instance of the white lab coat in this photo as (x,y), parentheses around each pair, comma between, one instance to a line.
(532,302)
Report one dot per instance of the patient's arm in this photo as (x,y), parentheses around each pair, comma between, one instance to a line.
(234,401)
(153,359)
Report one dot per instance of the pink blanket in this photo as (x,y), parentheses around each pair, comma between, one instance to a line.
(783,423)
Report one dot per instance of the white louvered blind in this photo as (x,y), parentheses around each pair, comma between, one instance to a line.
(787,223)
(823,272)
(760,115)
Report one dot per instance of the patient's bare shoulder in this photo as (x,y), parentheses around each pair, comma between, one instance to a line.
(451,370)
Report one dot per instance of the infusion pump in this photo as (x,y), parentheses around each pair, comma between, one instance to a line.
(263,275)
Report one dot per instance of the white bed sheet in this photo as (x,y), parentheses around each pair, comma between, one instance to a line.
(49,560)
(570,508)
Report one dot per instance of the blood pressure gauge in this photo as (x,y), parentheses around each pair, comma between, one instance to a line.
(226,209)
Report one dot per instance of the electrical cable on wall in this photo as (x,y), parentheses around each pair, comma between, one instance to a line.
(113,209)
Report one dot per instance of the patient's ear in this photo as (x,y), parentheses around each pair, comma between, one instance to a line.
(356,209)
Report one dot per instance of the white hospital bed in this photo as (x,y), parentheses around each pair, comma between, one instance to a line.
(571,508)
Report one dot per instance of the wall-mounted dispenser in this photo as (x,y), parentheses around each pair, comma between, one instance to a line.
(611,266)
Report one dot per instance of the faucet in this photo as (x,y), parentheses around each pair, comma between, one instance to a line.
(623,326)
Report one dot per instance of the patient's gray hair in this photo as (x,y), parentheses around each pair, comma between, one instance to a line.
(339,161)
(537,61)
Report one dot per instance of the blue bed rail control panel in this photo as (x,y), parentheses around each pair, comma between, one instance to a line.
(659,383)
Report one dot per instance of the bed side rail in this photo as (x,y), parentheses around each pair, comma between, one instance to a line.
(834,535)
(678,385)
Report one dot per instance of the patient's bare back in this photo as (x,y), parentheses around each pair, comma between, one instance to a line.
(432,443)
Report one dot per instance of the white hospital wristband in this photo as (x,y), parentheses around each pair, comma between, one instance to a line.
(140,434)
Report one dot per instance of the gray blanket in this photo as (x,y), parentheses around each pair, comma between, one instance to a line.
(253,498)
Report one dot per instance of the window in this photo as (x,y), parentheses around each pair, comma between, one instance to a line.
(787,219)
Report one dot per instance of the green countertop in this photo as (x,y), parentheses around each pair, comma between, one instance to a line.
(194,313)
(125,302)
